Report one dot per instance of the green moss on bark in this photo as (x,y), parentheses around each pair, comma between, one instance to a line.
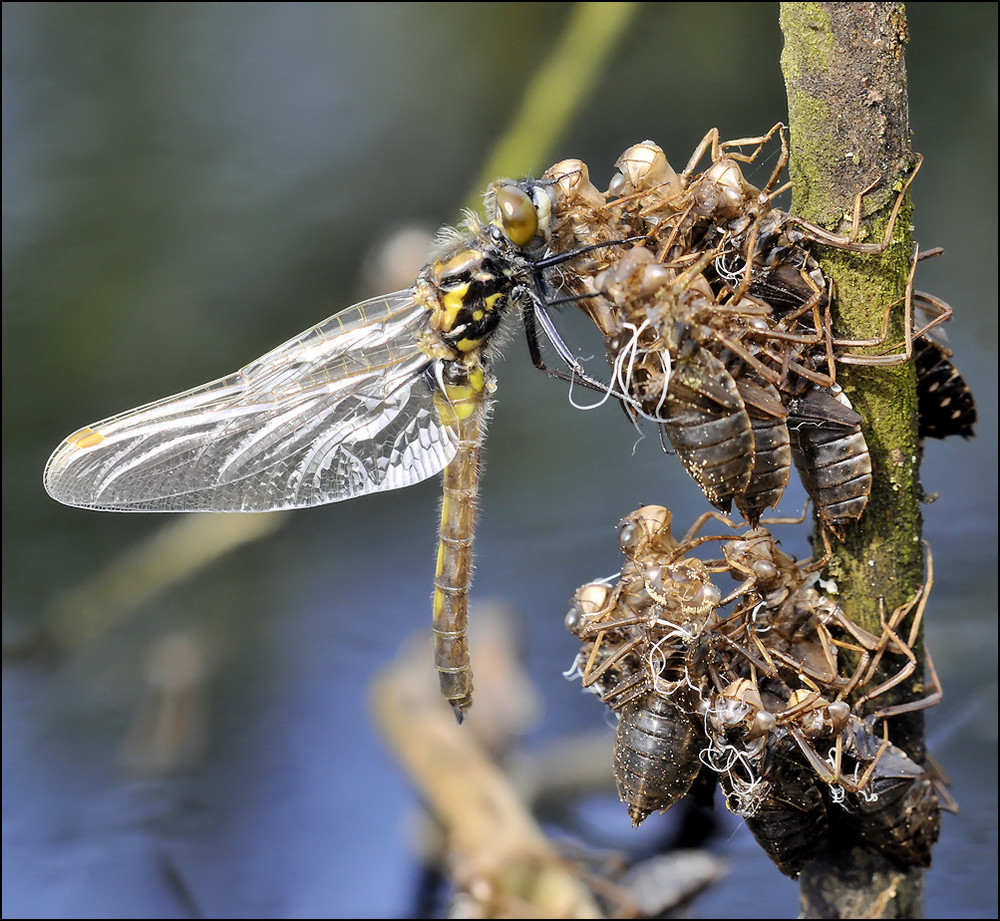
(849,131)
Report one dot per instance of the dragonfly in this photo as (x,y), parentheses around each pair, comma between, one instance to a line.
(382,395)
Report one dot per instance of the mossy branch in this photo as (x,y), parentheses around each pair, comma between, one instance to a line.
(849,132)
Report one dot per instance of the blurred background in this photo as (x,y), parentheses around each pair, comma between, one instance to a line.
(187,185)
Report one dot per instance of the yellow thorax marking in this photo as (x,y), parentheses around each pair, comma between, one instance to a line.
(452,303)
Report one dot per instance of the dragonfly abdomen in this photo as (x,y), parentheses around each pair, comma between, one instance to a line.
(461,403)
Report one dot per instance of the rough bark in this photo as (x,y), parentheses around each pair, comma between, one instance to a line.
(849,131)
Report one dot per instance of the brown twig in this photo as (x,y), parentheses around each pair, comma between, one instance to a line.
(847,99)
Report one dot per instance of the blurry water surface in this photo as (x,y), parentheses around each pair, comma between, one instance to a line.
(187,185)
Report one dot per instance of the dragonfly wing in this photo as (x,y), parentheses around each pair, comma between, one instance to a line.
(344,409)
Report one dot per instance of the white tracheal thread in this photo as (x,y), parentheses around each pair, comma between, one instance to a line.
(623,374)
(623,393)
(837,791)
(801,424)
(665,361)
(722,266)
(575,671)
(748,797)
(609,391)
(657,661)
(727,759)
(869,796)
(754,614)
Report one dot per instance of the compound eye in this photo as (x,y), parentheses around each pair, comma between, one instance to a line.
(518,217)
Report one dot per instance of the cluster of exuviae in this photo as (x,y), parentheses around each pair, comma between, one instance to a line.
(752,687)
(716,318)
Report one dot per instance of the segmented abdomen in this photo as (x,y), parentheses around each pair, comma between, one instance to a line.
(833,461)
(901,815)
(709,428)
(945,405)
(790,820)
(772,455)
(462,404)
(656,755)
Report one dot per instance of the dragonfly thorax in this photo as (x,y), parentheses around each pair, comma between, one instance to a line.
(467,294)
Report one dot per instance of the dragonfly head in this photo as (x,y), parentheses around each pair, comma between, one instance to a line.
(521,211)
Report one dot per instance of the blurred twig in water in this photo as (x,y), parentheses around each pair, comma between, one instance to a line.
(499,858)
(187,544)
(170,730)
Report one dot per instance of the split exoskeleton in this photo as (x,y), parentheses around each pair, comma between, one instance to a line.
(754,687)
(717,324)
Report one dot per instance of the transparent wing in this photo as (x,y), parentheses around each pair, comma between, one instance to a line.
(342,410)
